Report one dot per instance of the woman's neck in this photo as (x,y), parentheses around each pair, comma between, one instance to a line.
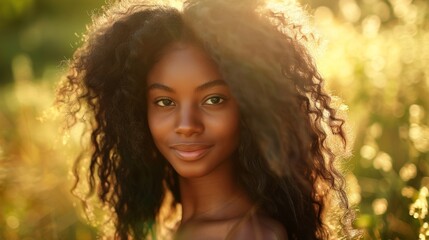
(216,196)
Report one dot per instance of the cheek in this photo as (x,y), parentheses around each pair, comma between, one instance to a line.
(156,126)
(159,132)
(227,128)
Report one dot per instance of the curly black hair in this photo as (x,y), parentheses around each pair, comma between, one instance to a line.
(285,162)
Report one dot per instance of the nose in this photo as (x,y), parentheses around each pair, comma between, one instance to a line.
(189,121)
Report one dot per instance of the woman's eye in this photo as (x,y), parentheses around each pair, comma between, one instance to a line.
(214,100)
(164,102)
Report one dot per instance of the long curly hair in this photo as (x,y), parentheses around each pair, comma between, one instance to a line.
(284,160)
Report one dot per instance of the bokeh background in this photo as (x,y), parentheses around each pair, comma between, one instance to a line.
(374,56)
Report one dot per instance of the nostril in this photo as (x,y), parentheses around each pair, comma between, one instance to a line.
(189,128)
(189,122)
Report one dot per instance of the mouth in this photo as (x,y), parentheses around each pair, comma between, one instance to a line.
(190,151)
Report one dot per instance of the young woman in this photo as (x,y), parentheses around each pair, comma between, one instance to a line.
(217,103)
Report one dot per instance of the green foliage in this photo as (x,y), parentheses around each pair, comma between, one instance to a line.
(45,30)
(376,60)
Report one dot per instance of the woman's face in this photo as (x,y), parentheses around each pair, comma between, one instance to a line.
(193,118)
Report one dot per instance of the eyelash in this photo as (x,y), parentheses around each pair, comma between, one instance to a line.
(221,100)
(159,101)
(170,103)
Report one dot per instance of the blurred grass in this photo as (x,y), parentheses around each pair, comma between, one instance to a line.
(377,60)
(35,179)
(35,202)
(375,57)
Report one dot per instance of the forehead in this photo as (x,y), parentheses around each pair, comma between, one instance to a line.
(183,61)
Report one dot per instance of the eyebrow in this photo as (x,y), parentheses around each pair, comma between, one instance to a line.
(210,84)
(160,86)
(204,86)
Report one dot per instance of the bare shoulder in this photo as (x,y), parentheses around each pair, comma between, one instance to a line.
(260,227)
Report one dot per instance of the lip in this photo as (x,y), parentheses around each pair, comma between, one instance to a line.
(190,151)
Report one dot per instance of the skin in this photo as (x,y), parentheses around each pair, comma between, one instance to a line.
(194,122)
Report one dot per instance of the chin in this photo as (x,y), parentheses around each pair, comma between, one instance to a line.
(192,171)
